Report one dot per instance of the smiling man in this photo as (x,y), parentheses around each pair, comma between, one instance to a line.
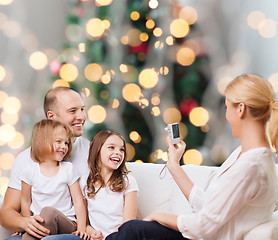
(65,105)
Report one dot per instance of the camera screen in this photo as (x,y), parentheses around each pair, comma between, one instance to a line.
(175,129)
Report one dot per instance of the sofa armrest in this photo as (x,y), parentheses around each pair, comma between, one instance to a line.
(265,231)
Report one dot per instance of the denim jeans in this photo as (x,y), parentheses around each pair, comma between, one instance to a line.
(51,237)
(143,230)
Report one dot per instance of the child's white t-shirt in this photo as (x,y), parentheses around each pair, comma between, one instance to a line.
(105,210)
(51,191)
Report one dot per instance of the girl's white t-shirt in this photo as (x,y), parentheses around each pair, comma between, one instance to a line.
(51,191)
(105,210)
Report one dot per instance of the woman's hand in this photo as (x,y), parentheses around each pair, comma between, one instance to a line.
(175,151)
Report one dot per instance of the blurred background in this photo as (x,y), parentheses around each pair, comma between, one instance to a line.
(139,64)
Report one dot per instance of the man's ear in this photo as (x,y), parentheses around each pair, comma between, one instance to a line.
(50,115)
(241,109)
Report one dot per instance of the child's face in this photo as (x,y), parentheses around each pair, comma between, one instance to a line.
(112,153)
(61,144)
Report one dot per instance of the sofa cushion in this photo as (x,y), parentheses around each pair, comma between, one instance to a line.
(154,192)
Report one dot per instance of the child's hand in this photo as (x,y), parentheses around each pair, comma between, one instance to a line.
(17,233)
(82,234)
(94,234)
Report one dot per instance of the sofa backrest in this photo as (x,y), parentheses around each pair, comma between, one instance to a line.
(162,194)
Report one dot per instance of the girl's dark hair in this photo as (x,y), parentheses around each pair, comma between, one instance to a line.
(117,180)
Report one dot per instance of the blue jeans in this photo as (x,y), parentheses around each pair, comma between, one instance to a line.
(143,230)
(51,237)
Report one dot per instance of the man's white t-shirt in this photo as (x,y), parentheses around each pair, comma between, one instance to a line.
(51,191)
(79,159)
(106,208)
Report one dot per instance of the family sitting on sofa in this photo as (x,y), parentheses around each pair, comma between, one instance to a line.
(91,195)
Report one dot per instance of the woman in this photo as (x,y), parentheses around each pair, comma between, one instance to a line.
(243,193)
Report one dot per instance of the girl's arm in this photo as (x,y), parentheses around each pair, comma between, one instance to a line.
(130,206)
(80,210)
(174,155)
(25,199)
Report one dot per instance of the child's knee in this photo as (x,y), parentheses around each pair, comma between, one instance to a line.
(48,213)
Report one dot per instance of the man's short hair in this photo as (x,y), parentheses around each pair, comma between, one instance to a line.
(50,98)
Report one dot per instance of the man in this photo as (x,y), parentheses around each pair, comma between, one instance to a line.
(64,105)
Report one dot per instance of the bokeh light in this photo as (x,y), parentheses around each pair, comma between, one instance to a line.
(148,78)
(7,132)
(103,2)
(60,83)
(132,92)
(185,56)
(223,83)
(134,15)
(179,28)
(171,115)
(156,111)
(267,28)
(11,105)
(254,19)
(153,4)
(9,118)
(17,142)
(150,24)
(135,137)
(97,114)
(155,100)
(273,79)
(130,152)
(192,156)
(3,185)
(157,32)
(2,73)
(133,37)
(6,160)
(189,14)
(68,72)
(95,27)
(38,60)
(93,72)
(199,116)
(6,2)
(3,97)
(115,103)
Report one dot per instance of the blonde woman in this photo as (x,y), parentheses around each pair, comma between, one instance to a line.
(244,192)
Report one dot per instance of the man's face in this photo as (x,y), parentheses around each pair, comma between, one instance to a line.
(70,110)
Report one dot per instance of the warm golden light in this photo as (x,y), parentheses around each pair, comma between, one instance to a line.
(132,92)
(93,72)
(164,70)
(135,137)
(106,78)
(2,73)
(170,40)
(134,37)
(124,40)
(179,28)
(159,45)
(185,56)
(171,115)
(115,103)
(6,160)
(155,100)
(148,78)
(60,83)
(17,142)
(95,27)
(157,32)
(192,156)
(85,92)
(159,153)
(12,29)
(3,185)
(153,4)
(194,45)
(103,2)
(273,79)
(68,72)
(144,37)
(189,14)
(254,19)
(11,105)
(9,118)
(150,24)
(155,111)
(81,47)
(267,28)
(223,83)
(144,102)
(134,16)
(38,60)
(183,130)
(7,132)
(3,97)
(97,114)
(106,23)
(6,2)
(199,116)
(123,68)
(130,152)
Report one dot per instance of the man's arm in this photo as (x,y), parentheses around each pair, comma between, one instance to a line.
(11,219)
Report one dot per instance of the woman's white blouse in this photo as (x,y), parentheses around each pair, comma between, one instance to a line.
(242,195)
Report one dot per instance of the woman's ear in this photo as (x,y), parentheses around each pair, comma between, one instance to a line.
(241,109)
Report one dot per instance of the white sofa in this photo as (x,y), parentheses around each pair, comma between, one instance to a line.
(158,194)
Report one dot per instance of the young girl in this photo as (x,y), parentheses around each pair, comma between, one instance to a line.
(110,192)
(243,193)
(50,187)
